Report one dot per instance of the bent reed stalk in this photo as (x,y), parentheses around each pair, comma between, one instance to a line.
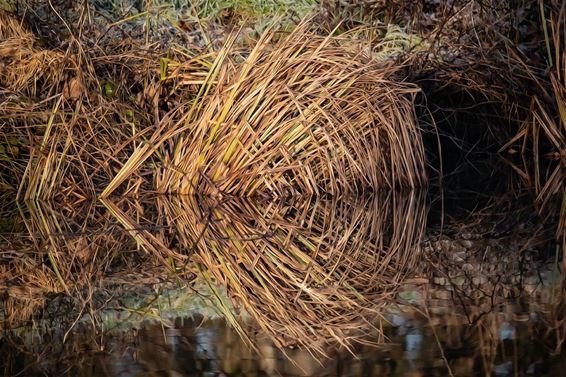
(298,114)
(307,116)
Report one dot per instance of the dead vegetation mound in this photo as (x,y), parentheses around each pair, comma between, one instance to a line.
(305,115)
(299,113)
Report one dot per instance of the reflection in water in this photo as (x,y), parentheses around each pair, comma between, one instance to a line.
(76,250)
(312,274)
(501,343)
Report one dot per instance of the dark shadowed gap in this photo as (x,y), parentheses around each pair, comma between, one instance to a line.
(462,133)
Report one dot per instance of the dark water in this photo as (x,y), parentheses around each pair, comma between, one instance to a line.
(514,338)
(482,296)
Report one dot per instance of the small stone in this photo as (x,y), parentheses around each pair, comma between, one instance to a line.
(440,280)
(459,257)
(467,267)
(479,280)
(446,245)
(443,295)
(466,244)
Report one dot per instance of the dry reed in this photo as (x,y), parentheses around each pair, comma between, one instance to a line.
(546,122)
(297,114)
(74,114)
(302,115)
(305,116)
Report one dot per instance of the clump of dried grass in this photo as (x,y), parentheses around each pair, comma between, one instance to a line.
(74,114)
(10,27)
(303,114)
(306,115)
(26,68)
(309,272)
(546,120)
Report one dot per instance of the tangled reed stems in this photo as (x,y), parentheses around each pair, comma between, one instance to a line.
(309,272)
(74,115)
(552,121)
(297,114)
(546,121)
(305,114)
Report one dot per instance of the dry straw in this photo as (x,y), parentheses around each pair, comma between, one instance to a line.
(300,113)
(24,67)
(74,114)
(306,115)
(546,120)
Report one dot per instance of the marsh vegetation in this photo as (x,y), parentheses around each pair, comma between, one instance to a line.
(309,181)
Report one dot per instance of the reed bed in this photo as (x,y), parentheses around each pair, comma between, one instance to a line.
(296,113)
(306,115)
(296,116)
(542,133)
(74,114)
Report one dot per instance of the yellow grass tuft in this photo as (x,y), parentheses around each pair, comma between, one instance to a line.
(10,27)
(24,67)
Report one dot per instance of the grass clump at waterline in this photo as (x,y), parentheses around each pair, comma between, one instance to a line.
(298,113)
(300,116)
